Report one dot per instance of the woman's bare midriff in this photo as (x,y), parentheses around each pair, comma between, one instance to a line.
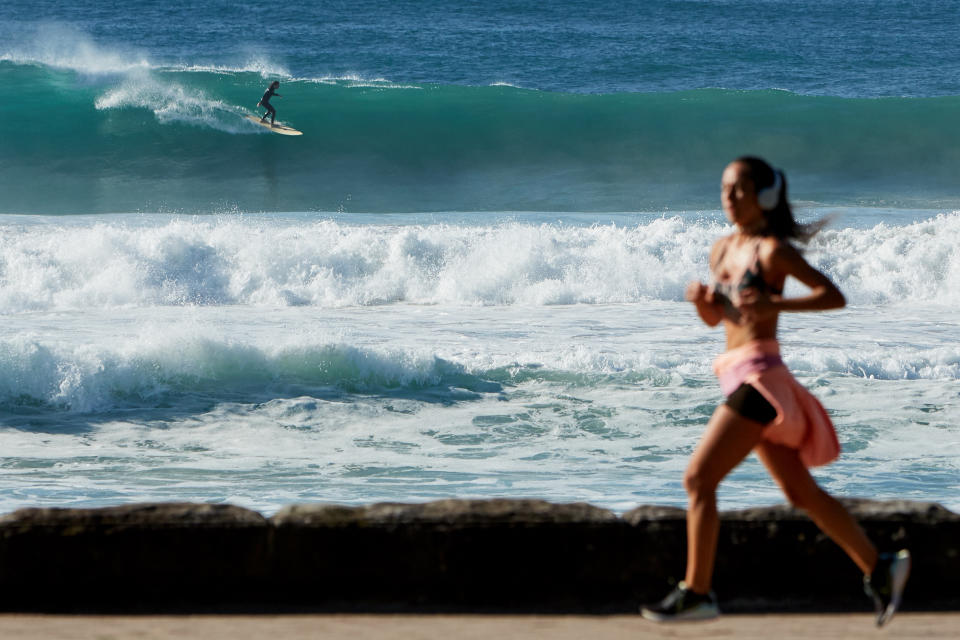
(739,335)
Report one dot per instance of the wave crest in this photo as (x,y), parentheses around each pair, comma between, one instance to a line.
(320,262)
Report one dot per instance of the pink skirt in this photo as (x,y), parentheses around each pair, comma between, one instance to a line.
(801,423)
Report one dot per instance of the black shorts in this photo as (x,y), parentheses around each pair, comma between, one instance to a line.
(750,404)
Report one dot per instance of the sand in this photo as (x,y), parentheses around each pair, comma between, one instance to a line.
(469,627)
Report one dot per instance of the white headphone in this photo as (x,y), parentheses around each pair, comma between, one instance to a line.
(769,197)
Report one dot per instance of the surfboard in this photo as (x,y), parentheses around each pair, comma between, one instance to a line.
(282,129)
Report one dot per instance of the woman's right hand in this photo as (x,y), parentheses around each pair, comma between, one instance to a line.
(703,299)
(697,293)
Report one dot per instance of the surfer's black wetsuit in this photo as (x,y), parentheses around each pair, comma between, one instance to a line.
(265,103)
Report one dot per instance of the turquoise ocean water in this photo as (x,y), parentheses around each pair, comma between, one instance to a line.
(466,278)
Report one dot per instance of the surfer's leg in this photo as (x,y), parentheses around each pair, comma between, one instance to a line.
(802,491)
(728,439)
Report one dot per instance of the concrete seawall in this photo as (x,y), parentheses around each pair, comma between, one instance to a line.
(449,555)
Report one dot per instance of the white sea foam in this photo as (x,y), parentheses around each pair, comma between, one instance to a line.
(266,68)
(141,370)
(172,102)
(355,77)
(324,263)
(239,358)
(356,81)
(920,261)
(585,402)
(62,46)
(329,264)
(107,360)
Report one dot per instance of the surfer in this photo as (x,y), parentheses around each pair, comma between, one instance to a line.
(766,410)
(265,101)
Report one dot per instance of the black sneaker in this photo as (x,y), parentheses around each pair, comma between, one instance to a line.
(886,583)
(682,604)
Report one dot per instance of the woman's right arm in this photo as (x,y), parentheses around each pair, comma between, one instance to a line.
(709,309)
(702,298)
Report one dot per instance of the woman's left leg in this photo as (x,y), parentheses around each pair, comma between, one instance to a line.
(885,575)
(802,491)
(270,112)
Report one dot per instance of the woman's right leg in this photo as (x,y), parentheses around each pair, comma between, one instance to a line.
(728,439)
(802,491)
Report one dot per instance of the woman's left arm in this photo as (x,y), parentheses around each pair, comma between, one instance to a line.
(785,259)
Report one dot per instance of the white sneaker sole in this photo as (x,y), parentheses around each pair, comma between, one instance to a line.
(703,612)
(900,572)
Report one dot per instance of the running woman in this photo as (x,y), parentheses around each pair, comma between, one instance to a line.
(766,410)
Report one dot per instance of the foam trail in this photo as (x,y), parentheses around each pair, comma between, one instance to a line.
(262,67)
(172,102)
(62,46)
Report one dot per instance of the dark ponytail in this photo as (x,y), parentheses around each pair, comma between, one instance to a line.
(780,220)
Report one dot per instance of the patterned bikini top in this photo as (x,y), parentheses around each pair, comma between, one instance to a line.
(745,276)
